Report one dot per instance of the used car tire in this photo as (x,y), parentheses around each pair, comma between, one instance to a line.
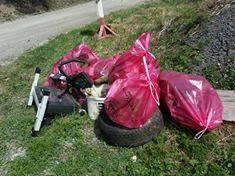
(118,135)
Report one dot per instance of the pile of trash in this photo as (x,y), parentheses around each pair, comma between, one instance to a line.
(135,91)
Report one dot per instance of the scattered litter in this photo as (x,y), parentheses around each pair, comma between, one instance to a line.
(128,89)
(134,159)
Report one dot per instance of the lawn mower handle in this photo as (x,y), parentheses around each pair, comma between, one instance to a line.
(68,62)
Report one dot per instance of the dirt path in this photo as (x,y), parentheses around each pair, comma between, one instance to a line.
(23,34)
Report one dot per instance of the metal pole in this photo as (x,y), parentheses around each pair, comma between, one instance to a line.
(34,84)
(41,110)
(100,8)
(104,30)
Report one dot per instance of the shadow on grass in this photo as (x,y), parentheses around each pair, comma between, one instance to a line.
(98,132)
(174,125)
(87,32)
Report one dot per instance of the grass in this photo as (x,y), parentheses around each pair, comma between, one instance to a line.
(70,147)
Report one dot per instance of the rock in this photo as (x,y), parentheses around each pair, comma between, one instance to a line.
(220,34)
(231,52)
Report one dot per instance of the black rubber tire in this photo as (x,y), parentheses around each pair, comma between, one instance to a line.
(117,135)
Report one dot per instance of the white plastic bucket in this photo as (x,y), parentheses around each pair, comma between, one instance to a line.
(94,106)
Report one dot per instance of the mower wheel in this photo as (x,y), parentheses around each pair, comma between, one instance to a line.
(117,135)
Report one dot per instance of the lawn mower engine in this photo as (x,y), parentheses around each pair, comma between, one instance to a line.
(51,101)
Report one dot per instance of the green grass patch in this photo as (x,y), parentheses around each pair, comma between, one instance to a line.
(70,147)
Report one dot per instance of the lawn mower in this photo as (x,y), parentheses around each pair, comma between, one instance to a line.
(51,101)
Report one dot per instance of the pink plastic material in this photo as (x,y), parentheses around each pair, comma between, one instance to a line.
(82,52)
(94,67)
(134,93)
(129,101)
(131,63)
(191,100)
(103,67)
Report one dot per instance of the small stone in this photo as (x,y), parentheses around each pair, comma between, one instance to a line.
(227,6)
(231,52)
(134,159)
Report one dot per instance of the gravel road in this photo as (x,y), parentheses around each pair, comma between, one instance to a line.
(18,36)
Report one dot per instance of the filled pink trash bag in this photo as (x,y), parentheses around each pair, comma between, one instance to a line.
(191,101)
(131,62)
(94,67)
(82,52)
(130,102)
(134,93)
(103,67)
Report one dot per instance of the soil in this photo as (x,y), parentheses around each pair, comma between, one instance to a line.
(8,12)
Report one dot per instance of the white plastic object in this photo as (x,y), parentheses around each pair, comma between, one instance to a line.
(94,106)
(100,8)
(34,84)
(40,113)
(96,91)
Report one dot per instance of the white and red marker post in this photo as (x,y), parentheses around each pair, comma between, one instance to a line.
(104,30)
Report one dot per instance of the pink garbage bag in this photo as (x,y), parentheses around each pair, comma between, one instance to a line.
(103,67)
(131,102)
(82,52)
(94,67)
(134,93)
(131,62)
(191,101)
